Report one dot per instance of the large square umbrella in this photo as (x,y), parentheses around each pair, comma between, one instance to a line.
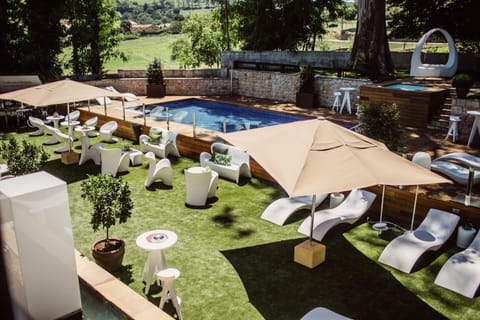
(318,156)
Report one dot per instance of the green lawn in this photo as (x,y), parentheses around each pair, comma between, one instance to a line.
(235,265)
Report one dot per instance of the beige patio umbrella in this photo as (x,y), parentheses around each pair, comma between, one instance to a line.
(319,156)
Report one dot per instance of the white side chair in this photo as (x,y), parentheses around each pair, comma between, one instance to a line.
(113,161)
(73,116)
(106,131)
(161,170)
(38,123)
(422,159)
(166,145)
(201,184)
(49,130)
(90,152)
(92,122)
(62,137)
(167,277)
(453,129)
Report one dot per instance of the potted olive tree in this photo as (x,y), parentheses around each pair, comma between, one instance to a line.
(305,96)
(462,82)
(22,158)
(112,203)
(156,83)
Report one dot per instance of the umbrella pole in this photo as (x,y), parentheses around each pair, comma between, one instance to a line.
(144,115)
(312,214)
(468,195)
(123,108)
(414,208)
(68,126)
(194,124)
(380,225)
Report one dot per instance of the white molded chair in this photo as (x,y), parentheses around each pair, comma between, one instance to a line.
(281,209)
(106,131)
(454,171)
(49,130)
(113,161)
(90,152)
(161,170)
(461,272)
(92,122)
(422,159)
(404,251)
(201,184)
(73,116)
(420,69)
(320,313)
(36,123)
(166,145)
(350,210)
(62,137)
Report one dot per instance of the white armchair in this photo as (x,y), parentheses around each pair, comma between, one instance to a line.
(92,122)
(62,137)
(201,184)
(38,123)
(49,130)
(106,131)
(161,142)
(230,162)
(73,116)
(161,170)
(90,152)
(113,161)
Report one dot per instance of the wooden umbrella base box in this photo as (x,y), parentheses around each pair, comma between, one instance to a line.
(309,253)
(70,157)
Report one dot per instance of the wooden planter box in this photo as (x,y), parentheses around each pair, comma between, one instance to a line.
(156,90)
(305,100)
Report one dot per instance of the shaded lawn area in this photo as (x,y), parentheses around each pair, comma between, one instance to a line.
(235,265)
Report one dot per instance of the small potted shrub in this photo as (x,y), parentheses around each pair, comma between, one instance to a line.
(111,201)
(22,158)
(462,82)
(306,93)
(156,83)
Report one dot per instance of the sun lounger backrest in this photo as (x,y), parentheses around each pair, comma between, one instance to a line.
(439,223)
(356,203)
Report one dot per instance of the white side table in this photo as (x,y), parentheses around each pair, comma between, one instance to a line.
(336,199)
(465,236)
(475,126)
(346,98)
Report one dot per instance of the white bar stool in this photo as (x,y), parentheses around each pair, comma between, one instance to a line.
(167,277)
(336,102)
(453,129)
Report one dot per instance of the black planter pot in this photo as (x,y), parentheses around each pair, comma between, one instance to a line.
(305,100)
(156,90)
(462,92)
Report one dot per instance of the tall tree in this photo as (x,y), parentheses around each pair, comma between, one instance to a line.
(371,53)
(95,34)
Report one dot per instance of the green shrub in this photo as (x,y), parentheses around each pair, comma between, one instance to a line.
(22,158)
(155,72)
(381,122)
(462,80)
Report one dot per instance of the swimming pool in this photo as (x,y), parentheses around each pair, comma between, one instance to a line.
(402,86)
(215,116)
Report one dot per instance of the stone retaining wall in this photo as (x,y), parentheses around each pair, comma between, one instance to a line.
(460,107)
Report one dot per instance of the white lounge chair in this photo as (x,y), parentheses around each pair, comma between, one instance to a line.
(38,123)
(106,131)
(161,170)
(127,96)
(161,142)
(404,251)
(201,184)
(103,100)
(320,313)
(281,209)
(454,171)
(90,152)
(468,159)
(113,161)
(461,272)
(350,210)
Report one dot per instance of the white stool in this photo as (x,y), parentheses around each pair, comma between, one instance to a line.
(336,102)
(167,277)
(453,130)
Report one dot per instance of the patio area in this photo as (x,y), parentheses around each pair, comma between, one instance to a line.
(235,265)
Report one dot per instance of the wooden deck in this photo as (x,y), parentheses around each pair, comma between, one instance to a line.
(398,203)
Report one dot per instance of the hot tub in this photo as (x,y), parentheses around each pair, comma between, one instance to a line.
(417,102)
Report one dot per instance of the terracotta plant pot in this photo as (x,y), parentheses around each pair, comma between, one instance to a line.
(110,259)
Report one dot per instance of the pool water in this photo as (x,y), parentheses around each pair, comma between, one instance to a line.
(94,307)
(215,116)
(410,87)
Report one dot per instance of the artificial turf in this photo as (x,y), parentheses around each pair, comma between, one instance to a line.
(235,265)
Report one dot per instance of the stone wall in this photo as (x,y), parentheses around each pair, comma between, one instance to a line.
(460,108)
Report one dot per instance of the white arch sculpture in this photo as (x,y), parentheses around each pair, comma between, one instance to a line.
(419,69)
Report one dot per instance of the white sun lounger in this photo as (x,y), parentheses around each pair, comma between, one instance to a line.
(281,209)
(320,313)
(403,252)
(454,171)
(349,211)
(461,272)
(468,159)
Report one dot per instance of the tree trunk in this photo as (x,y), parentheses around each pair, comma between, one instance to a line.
(370,52)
